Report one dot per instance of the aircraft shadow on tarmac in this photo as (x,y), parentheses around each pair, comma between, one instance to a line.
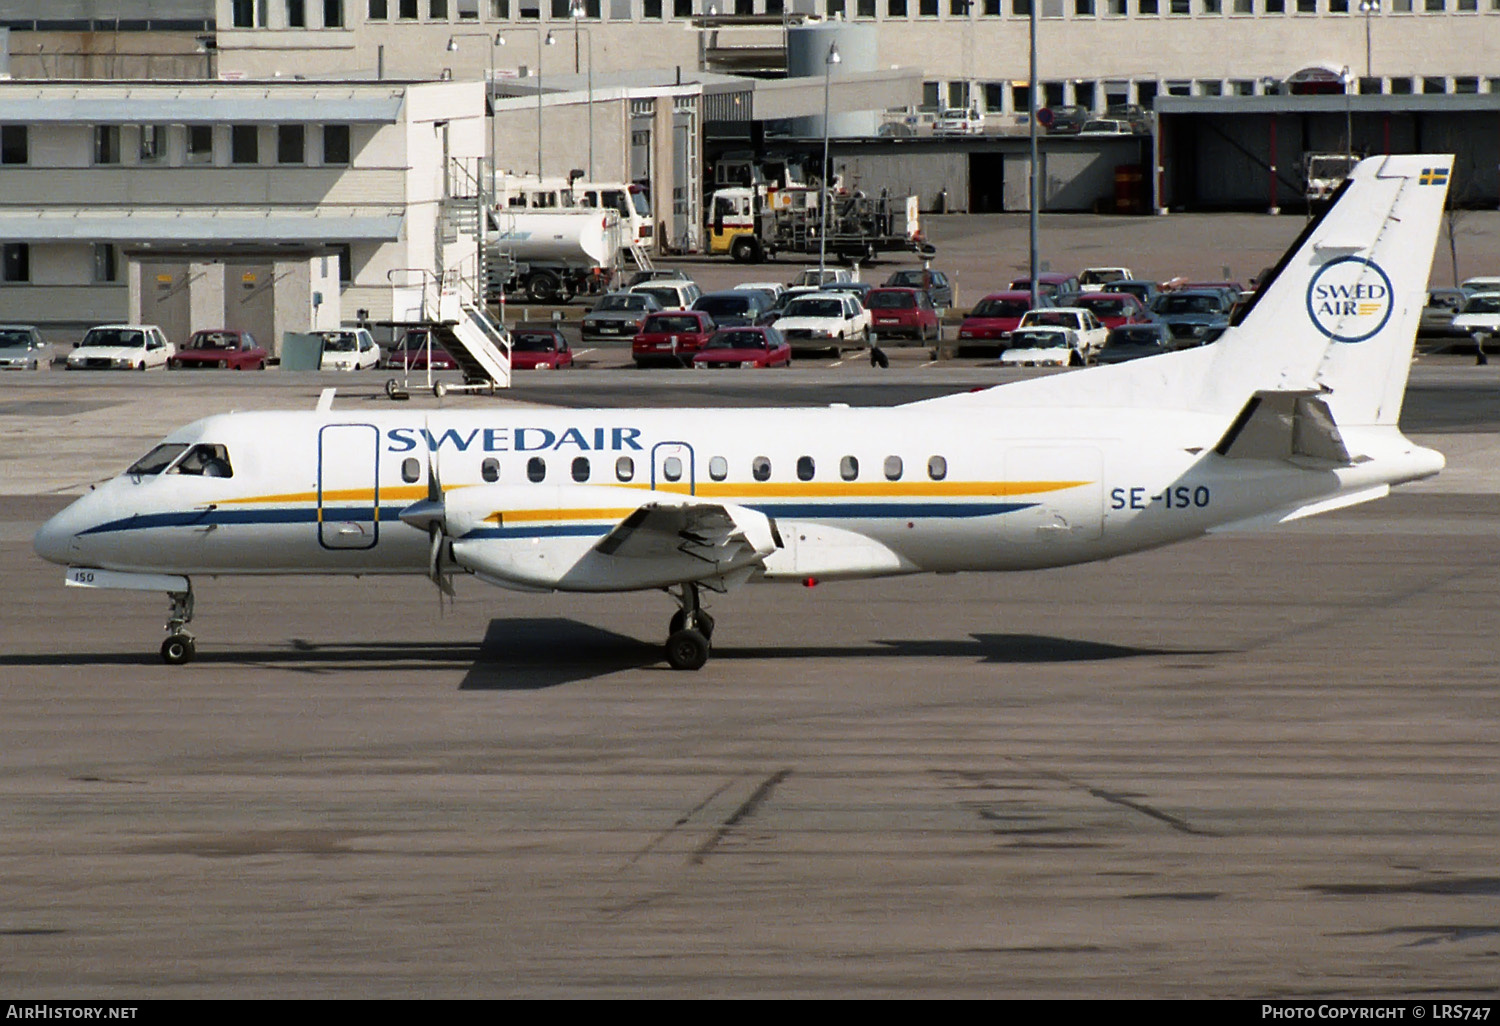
(527,654)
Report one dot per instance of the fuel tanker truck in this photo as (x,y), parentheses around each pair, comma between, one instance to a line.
(550,256)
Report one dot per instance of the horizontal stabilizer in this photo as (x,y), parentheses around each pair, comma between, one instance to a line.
(1285,426)
(1285,516)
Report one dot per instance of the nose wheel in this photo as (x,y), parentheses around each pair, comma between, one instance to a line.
(180,647)
(690,632)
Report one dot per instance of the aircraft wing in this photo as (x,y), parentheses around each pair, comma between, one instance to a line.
(706,531)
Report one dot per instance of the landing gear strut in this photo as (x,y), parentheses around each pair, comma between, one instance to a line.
(179,647)
(690,631)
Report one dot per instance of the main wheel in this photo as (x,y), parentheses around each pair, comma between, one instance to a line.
(687,650)
(544,287)
(745,250)
(178,649)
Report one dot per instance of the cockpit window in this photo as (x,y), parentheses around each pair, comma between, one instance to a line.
(157,460)
(204,461)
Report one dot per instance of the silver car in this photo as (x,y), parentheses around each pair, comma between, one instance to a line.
(619,315)
(22,348)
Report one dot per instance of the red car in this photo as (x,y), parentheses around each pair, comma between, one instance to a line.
(672,337)
(995,316)
(221,347)
(410,353)
(539,349)
(902,311)
(1113,308)
(745,347)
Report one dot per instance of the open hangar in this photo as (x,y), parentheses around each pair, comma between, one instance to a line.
(1246,152)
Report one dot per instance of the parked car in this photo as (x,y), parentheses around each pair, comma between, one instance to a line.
(1091,334)
(903,312)
(995,316)
(774,314)
(825,320)
(815,277)
(1133,341)
(1114,308)
(1067,120)
(349,349)
(23,348)
(734,307)
(1481,312)
(539,348)
(935,283)
(774,289)
(121,347)
(657,274)
(672,337)
(1195,317)
(753,346)
(1100,279)
(410,353)
(1106,126)
(959,121)
(670,293)
(1483,283)
(1438,312)
(859,289)
(221,347)
(618,315)
(1145,291)
(1133,114)
(1052,284)
(1048,346)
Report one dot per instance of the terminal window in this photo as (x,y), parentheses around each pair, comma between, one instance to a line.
(200,144)
(13,148)
(378,10)
(15,262)
(336,144)
(333,13)
(296,13)
(244,144)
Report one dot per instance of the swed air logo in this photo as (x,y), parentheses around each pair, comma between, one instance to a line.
(1349,300)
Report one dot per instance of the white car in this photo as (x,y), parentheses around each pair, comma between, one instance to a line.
(122,347)
(1091,333)
(1105,126)
(816,278)
(1043,347)
(1480,312)
(774,289)
(671,293)
(958,121)
(349,349)
(825,320)
(1098,279)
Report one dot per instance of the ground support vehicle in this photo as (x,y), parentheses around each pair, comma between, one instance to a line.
(750,228)
(550,256)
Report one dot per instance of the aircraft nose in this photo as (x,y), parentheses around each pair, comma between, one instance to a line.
(56,541)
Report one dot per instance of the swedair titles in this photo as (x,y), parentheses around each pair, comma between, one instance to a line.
(521,439)
(1339,300)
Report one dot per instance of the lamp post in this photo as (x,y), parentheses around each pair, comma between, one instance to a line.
(1367,8)
(575,12)
(486,181)
(549,41)
(828,63)
(1034,185)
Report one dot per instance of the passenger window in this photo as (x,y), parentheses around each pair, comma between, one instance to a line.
(157,460)
(671,468)
(760,468)
(804,468)
(718,468)
(849,468)
(490,470)
(625,468)
(580,469)
(410,469)
(893,468)
(937,468)
(205,461)
(536,469)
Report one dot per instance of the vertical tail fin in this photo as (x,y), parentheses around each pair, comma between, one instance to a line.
(1341,310)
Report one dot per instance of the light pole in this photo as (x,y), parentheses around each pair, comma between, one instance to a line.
(828,63)
(1367,8)
(1034,185)
(576,12)
(549,41)
(486,181)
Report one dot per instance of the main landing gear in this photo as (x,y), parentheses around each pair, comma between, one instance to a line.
(690,632)
(179,647)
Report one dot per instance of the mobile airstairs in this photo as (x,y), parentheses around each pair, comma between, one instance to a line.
(421,300)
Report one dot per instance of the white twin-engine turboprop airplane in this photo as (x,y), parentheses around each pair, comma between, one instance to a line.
(1293,412)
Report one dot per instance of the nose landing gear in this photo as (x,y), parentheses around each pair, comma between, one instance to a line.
(690,632)
(180,647)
